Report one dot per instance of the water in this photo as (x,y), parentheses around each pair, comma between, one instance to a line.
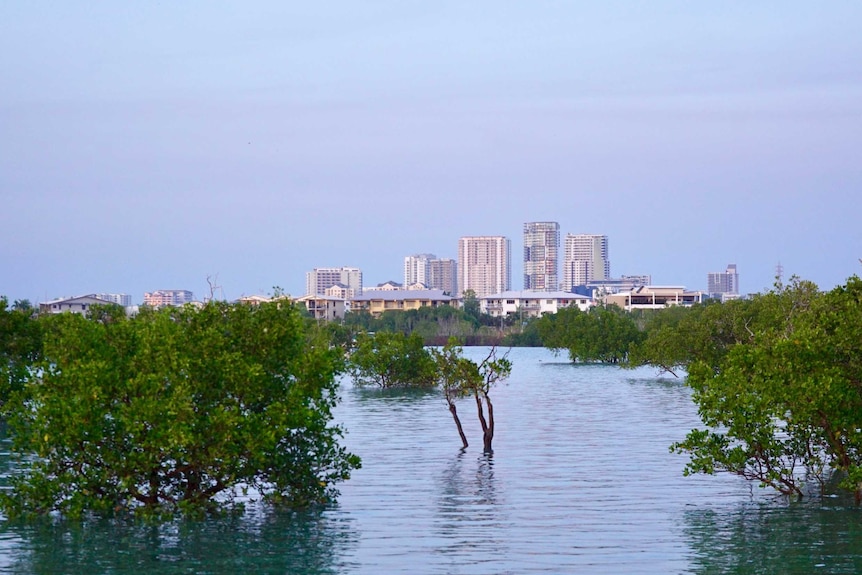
(581,480)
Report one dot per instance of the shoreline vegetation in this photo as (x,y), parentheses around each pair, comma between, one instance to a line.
(169,410)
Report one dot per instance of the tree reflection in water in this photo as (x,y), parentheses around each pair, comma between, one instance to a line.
(470,519)
(807,537)
(307,543)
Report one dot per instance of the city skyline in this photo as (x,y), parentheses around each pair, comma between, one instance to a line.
(151,146)
(352,277)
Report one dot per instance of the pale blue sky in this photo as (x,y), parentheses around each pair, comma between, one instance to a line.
(148,145)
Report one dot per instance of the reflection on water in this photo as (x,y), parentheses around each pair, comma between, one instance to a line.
(771,538)
(263,542)
(470,516)
(580,481)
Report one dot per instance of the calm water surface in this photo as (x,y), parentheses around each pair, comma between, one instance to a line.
(581,481)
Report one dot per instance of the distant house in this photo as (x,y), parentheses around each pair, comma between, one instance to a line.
(531,303)
(654,297)
(325,307)
(339,291)
(80,304)
(386,286)
(378,301)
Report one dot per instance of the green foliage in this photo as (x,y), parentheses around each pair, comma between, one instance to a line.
(22,305)
(527,336)
(429,322)
(20,346)
(603,334)
(471,307)
(677,335)
(778,383)
(391,359)
(457,376)
(177,410)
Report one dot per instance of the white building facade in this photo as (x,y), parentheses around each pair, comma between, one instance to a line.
(79,304)
(531,303)
(122,299)
(416,268)
(484,264)
(585,260)
(432,272)
(319,280)
(541,256)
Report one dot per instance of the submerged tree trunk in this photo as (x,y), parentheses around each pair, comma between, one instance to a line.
(487,425)
(454,411)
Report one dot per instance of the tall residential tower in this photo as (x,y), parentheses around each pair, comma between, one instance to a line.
(434,272)
(585,260)
(484,265)
(541,248)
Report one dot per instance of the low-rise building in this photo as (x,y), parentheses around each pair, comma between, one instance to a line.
(168,297)
(385,286)
(324,307)
(531,303)
(378,301)
(654,297)
(80,304)
(339,291)
(254,299)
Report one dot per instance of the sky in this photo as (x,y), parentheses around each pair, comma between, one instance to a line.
(148,145)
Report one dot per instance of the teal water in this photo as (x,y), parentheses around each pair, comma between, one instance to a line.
(581,481)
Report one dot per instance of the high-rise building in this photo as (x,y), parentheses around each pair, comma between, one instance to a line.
(319,280)
(433,272)
(541,248)
(122,299)
(443,275)
(721,284)
(416,268)
(585,260)
(484,265)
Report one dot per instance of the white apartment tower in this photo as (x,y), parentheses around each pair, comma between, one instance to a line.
(484,265)
(541,248)
(416,268)
(122,299)
(434,272)
(585,260)
(319,280)
(723,283)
